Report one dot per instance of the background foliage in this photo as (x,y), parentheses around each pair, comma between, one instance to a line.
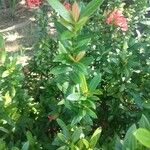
(87,87)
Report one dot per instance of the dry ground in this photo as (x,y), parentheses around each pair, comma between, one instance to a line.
(18,31)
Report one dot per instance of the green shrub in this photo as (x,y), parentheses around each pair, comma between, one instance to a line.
(86,87)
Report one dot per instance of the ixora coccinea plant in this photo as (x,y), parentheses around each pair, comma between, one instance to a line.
(116,18)
(73,78)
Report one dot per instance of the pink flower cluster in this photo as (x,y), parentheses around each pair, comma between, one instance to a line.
(67,5)
(33,3)
(116,18)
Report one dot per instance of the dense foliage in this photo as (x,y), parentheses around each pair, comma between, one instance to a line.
(87,86)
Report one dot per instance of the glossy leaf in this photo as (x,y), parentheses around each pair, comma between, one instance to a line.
(5,74)
(62,49)
(64,127)
(81,23)
(25,146)
(15,148)
(60,9)
(95,137)
(144,123)
(4,130)
(143,136)
(76,135)
(75,77)
(66,24)
(76,120)
(79,67)
(83,84)
(2,56)
(60,69)
(129,140)
(2,145)
(95,82)
(91,8)
(74,96)
(80,56)
(146,21)
(2,45)
(63,148)
(82,43)
(146,105)
(86,143)
(62,137)
(30,138)
(91,113)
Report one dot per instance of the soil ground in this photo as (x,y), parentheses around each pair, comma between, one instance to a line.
(18,30)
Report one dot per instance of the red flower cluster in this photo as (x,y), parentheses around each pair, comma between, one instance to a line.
(67,5)
(33,3)
(116,18)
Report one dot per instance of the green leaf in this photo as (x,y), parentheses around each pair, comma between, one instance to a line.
(118,144)
(95,137)
(63,148)
(62,102)
(81,23)
(82,113)
(2,56)
(76,135)
(60,69)
(60,9)
(143,136)
(144,123)
(2,50)
(2,145)
(137,99)
(76,120)
(79,67)
(15,148)
(4,130)
(66,35)
(2,43)
(83,84)
(13,91)
(129,140)
(66,24)
(91,8)
(62,137)
(74,147)
(8,98)
(95,82)
(5,73)
(30,138)
(90,104)
(59,27)
(82,43)
(91,113)
(146,21)
(62,49)
(75,77)
(64,127)
(146,104)
(25,146)
(74,96)
(87,60)
(80,56)
(86,143)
